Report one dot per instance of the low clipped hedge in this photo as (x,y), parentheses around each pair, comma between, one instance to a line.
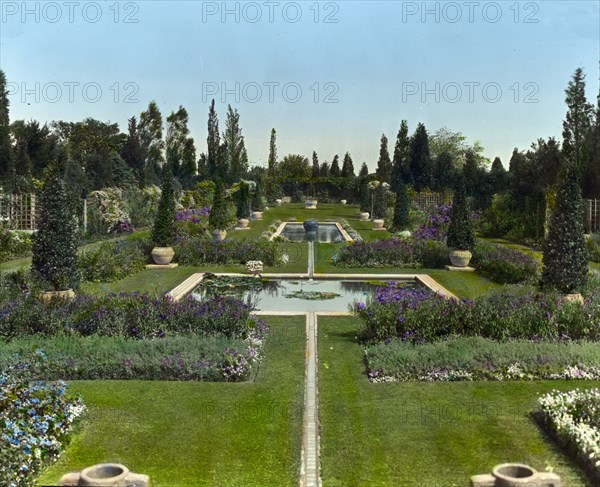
(504,265)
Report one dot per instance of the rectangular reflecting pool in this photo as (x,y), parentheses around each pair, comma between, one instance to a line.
(303,295)
(326,233)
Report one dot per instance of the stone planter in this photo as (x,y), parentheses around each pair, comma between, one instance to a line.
(378,224)
(219,235)
(460,258)
(64,295)
(243,223)
(515,475)
(573,297)
(343,202)
(310,225)
(162,255)
(106,475)
(310,204)
(257,215)
(278,202)
(364,216)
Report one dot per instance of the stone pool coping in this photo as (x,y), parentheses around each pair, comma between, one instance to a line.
(187,286)
(344,233)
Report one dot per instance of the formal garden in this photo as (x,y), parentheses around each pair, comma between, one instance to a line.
(456,347)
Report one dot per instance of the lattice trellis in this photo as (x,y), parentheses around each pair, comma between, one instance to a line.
(18,211)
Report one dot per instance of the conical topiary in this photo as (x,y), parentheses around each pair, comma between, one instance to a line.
(54,252)
(258,202)
(400,206)
(460,232)
(242,201)
(164,231)
(565,265)
(218,219)
(379,206)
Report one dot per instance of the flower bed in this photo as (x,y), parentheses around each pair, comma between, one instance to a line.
(574,419)
(35,422)
(420,316)
(504,265)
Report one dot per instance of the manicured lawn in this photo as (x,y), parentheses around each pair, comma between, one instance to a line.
(424,434)
(462,284)
(200,434)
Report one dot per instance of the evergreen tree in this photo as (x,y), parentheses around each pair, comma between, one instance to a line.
(22,164)
(364,170)
(324,170)
(165,230)
(181,151)
(470,173)
(348,167)
(218,219)
(258,203)
(379,206)
(497,177)
(577,123)
(401,161)
(242,201)
(420,159)
(401,207)
(315,171)
(153,145)
(592,176)
(565,266)
(132,151)
(334,170)
(365,195)
(213,142)
(444,172)
(384,164)
(237,158)
(460,232)
(272,163)
(54,252)
(6,162)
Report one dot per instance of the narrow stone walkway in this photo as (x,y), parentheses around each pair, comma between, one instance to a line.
(309,474)
(311,260)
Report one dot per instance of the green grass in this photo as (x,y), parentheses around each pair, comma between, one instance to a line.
(424,434)
(201,434)
(462,284)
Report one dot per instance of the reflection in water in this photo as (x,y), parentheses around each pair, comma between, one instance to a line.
(326,233)
(272,297)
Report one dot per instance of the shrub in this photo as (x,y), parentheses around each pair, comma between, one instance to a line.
(54,259)
(504,265)
(164,230)
(35,423)
(14,244)
(199,251)
(242,200)
(565,266)
(460,233)
(379,204)
(394,252)
(401,207)
(112,261)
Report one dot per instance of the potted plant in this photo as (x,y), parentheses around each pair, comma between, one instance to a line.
(258,202)
(460,239)
(54,251)
(565,266)
(218,220)
(242,204)
(164,230)
(379,206)
(310,203)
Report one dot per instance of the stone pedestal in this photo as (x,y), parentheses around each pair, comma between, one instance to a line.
(106,475)
(459,269)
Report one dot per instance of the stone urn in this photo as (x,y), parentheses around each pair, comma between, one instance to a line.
(106,475)
(310,225)
(219,235)
(460,258)
(278,202)
(364,216)
(310,204)
(65,295)
(257,215)
(243,223)
(162,255)
(343,202)
(378,224)
(516,475)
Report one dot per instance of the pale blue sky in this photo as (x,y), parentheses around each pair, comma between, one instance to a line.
(369,64)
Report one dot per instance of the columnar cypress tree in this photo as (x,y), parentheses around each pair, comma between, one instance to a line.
(258,203)
(420,158)
(54,252)
(379,206)
(384,164)
(334,170)
(400,163)
(213,142)
(164,230)
(6,162)
(564,262)
(348,166)
(365,195)
(401,207)
(364,170)
(218,212)
(242,201)
(460,233)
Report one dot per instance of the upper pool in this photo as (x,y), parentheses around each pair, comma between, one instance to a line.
(327,232)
